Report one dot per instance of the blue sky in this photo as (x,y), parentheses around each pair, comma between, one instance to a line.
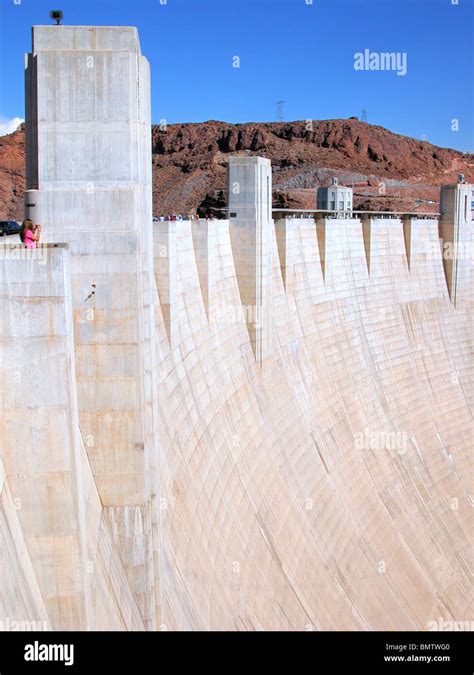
(289,50)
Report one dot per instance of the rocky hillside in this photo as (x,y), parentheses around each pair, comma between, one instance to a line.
(12,175)
(388,171)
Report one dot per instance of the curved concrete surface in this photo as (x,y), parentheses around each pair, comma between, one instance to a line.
(230,425)
(330,488)
(327,488)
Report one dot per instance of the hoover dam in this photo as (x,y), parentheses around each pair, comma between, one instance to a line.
(258,423)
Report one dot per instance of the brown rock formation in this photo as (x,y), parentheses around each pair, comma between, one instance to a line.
(388,171)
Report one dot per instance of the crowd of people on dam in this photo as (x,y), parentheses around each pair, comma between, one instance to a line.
(30,233)
(178,216)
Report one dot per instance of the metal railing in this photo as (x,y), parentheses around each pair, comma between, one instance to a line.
(334,213)
(329,213)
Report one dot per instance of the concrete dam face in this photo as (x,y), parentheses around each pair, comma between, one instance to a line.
(260,423)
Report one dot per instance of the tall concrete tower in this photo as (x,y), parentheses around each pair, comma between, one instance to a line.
(88,151)
(455,230)
(251,225)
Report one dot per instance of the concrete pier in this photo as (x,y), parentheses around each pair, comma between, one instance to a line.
(251,225)
(455,229)
(89,184)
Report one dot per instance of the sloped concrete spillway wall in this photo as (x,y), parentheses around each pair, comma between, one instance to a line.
(162,470)
(58,565)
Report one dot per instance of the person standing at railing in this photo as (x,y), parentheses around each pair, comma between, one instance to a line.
(30,234)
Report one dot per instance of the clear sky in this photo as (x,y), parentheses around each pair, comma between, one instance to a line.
(299,51)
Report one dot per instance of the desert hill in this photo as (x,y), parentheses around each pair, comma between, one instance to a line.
(388,171)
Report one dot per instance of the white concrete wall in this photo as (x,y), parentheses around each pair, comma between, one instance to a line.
(21,602)
(273,514)
(205,250)
(456,232)
(93,165)
(276,516)
(39,426)
(250,213)
(310,469)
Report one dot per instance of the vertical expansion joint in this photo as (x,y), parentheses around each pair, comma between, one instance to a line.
(407,223)
(367,225)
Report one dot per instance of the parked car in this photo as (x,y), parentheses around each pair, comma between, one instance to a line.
(8,227)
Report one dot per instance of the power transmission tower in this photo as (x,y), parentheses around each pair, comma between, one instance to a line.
(363,115)
(280,111)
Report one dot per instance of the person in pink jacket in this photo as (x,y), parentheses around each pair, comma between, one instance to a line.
(30,234)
